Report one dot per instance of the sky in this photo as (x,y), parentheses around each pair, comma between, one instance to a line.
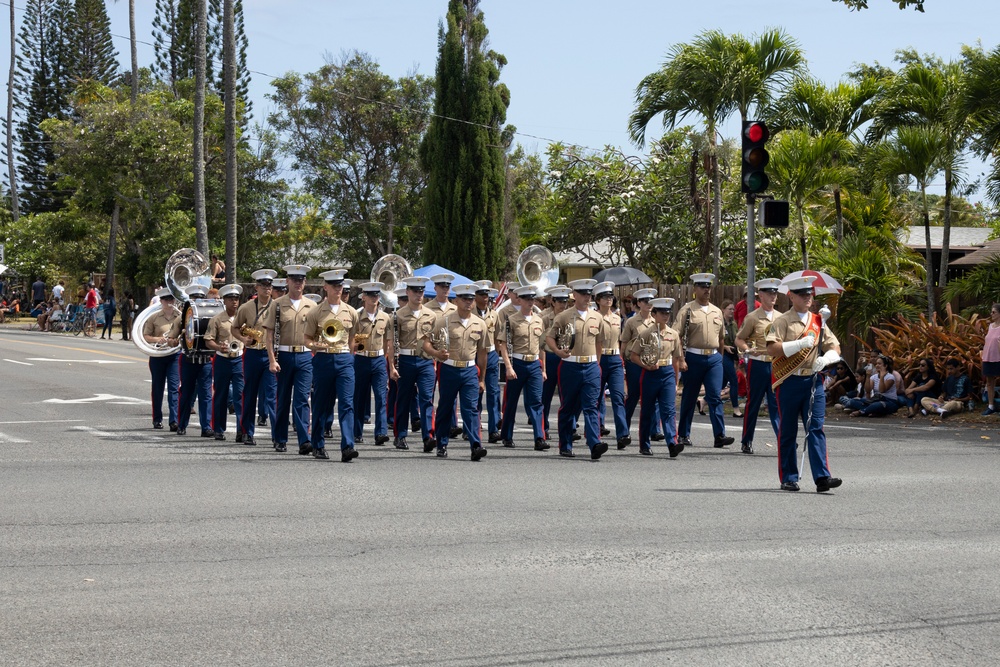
(573,65)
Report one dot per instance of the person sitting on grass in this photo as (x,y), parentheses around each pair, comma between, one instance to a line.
(880,392)
(841,383)
(924,382)
(954,394)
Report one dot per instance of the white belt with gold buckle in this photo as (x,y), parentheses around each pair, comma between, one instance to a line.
(762,357)
(705,352)
(525,357)
(229,355)
(370,353)
(292,348)
(581,359)
(458,364)
(409,352)
(608,351)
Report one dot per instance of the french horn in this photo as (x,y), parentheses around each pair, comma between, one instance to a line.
(649,353)
(390,270)
(538,266)
(333,332)
(185,267)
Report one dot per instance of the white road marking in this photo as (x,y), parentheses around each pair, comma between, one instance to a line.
(46,421)
(110,398)
(116,436)
(94,431)
(20,363)
(11,439)
(82,361)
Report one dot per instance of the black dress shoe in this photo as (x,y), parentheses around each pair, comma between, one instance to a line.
(645,451)
(478,453)
(541,445)
(249,441)
(576,436)
(605,431)
(442,452)
(232,409)
(429,445)
(381,440)
(674,450)
(455,432)
(261,421)
(239,437)
(208,434)
(789,486)
(658,437)
(328,433)
(723,440)
(684,440)
(181,431)
(827,483)
(415,426)
(400,443)
(359,441)
(348,455)
(624,442)
(321,454)
(598,451)
(280,447)
(566,452)
(173,426)
(158,426)
(220,436)
(305,449)
(747,448)
(509,444)
(495,437)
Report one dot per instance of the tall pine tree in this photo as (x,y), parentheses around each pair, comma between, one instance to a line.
(95,56)
(464,161)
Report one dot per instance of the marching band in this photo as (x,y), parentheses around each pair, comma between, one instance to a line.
(288,361)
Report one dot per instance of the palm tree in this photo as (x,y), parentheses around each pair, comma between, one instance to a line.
(928,91)
(200,222)
(801,165)
(810,105)
(982,104)
(916,151)
(229,58)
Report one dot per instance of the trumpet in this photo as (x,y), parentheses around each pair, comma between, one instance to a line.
(333,332)
(235,346)
(361,339)
(256,336)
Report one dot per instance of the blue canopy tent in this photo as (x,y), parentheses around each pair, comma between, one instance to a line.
(434,269)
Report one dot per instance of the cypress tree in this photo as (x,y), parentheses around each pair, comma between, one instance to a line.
(95,56)
(464,161)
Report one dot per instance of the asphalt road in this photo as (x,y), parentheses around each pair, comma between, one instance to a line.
(121,545)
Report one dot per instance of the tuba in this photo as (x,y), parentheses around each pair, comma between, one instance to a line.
(536,265)
(390,270)
(185,267)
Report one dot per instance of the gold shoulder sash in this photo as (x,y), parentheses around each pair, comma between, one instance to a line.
(782,367)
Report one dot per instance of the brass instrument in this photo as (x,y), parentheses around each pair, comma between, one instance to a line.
(566,337)
(184,268)
(333,332)
(256,336)
(360,340)
(235,346)
(440,341)
(390,270)
(649,354)
(538,266)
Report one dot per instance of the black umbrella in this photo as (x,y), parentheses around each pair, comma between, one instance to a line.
(622,275)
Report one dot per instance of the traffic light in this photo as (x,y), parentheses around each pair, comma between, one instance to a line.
(755,157)
(774,213)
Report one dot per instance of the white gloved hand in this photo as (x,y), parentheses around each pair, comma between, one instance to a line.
(793,346)
(831,357)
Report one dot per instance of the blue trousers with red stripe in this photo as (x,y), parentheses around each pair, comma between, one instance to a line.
(492,382)
(579,389)
(613,377)
(659,398)
(794,397)
(702,370)
(228,374)
(461,384)
(164,371)
(334,382)
(759,381)
(552,361)
(196,380)
(260,390)
(294,383)
(371,375)
(390,403)
(416,386)
(633,375)
(529,380)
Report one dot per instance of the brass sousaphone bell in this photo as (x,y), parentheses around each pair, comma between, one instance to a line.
(537,266)
(390,270)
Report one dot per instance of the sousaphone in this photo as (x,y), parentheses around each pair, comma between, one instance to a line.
(390,270)
(537,266)
(185,267)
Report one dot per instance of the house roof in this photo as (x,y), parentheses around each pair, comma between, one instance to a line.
(990,250)
(960,238)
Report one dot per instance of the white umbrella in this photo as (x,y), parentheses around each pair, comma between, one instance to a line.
(824,283)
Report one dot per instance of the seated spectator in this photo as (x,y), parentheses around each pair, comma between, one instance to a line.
(955,392)
(841,383)
(880,392)
(923,383)
(43,317)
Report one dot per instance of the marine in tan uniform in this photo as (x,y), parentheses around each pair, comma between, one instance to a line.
(164,370)
(751,341)
(801,395)
(329,332)
(440,305)
(416,369)
(373,346)
(700,324)
(559,295)
(657,350)
(612,367)
(260,385)
(289,357)
(483,310)
(575,335)
(642,319)
(519,342)
(462,351)
(227,369)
